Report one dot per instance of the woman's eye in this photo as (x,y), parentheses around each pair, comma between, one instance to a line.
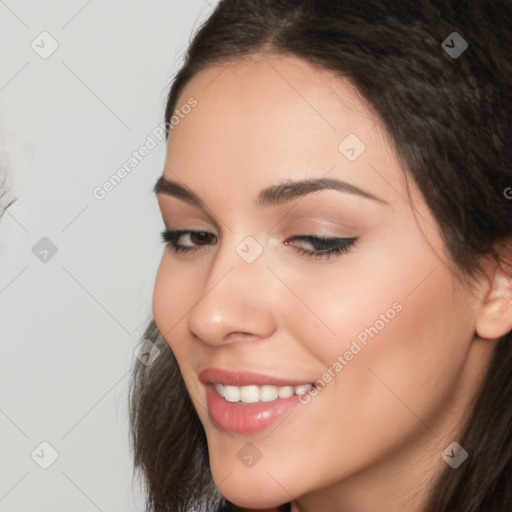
(325,247)
(181,241)
(171,237)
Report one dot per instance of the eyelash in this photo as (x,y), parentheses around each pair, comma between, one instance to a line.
(170,239)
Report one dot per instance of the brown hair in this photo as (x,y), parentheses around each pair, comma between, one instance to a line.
(450,121)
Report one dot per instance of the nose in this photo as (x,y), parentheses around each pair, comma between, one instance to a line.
(237,300)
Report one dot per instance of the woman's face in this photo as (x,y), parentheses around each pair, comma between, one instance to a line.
(383,327)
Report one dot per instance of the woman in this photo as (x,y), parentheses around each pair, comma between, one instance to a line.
(333,307)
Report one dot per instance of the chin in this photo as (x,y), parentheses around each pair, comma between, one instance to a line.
(246,489)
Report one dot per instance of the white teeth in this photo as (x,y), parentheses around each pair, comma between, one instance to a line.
(286,391)
(252,394)
(249,394)
(231,393)
(220,388)
(301,389)
(268,393)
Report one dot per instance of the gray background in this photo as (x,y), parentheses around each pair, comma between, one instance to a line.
(70,321)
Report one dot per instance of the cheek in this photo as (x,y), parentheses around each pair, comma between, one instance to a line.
(172,297)
(416,357)
(381,304)
(163,301)
(406,368)
(390,337)
(391,385)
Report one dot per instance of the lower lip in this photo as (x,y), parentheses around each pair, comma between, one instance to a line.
(241,417)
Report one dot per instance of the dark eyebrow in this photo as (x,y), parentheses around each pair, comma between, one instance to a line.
(271,196)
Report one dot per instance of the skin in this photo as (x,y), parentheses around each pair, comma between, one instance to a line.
(372,437)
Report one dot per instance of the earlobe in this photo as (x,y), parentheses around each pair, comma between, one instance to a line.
(495,317)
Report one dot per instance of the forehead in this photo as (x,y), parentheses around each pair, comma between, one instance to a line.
(269,118)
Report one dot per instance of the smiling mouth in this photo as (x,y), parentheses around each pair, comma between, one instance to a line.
(265,393)
(252,408)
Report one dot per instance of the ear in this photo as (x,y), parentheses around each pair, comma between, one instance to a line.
(495,315)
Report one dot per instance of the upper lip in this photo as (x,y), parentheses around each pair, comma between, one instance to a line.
(244,378)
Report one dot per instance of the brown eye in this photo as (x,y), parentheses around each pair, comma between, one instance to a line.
(197,238)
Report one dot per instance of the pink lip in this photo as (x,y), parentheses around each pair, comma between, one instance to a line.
(243,378)
(241,417)
(246,418)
